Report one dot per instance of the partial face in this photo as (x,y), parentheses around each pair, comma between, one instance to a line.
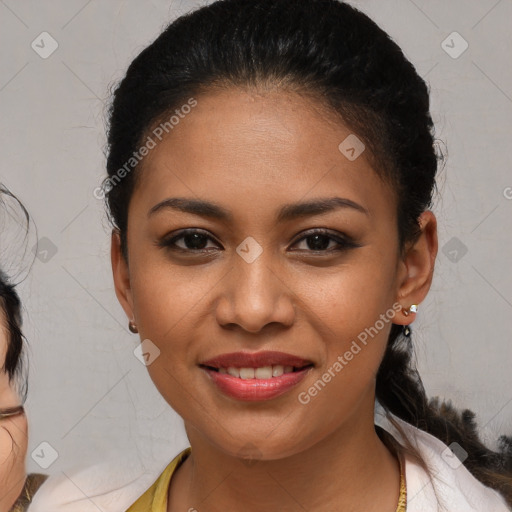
(13,434)
(307,282)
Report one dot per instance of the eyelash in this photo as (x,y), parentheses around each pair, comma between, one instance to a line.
(344,243)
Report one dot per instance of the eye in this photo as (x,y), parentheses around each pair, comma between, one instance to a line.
(11,412)
(319,240)
(194,240)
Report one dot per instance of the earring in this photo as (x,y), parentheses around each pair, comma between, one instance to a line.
(132,327)
(412,309)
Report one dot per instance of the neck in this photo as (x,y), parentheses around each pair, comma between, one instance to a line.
(350,469)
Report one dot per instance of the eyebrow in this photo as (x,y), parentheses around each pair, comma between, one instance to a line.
(287,212)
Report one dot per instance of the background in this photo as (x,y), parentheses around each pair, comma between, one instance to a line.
(89,396)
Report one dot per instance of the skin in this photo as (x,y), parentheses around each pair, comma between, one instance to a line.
(252,152)
(13,434)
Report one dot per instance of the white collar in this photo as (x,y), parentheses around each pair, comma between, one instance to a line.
(452,487)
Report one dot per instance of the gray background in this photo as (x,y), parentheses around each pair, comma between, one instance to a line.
(89,396)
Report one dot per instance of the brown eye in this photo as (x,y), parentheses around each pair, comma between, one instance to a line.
(321,240)
(191,240)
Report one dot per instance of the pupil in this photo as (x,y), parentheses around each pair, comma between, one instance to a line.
(194,241)
(316,245)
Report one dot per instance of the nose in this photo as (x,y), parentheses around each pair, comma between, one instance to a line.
(255,295)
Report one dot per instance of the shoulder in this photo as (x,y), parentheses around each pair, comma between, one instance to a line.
(108,486)
(450,486)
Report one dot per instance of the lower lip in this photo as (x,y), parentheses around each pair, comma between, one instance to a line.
(256,389)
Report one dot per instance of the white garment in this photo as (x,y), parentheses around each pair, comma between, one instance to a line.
(456,488)
(113,487)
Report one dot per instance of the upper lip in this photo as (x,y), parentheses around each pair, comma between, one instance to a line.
(256,360)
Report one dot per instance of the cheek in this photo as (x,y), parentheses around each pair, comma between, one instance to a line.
(353,324)
(168,304)
(165,295)
(6,449)
(349,298)
(350,310)
(8,396)
(344,313)
(13,449)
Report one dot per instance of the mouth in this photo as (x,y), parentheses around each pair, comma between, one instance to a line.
(256,365)
(258,383)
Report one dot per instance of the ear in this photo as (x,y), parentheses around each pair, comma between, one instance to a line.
(416,268)
(121,275)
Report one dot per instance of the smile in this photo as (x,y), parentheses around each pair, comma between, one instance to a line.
(256,384)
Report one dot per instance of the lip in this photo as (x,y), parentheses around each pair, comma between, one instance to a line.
(255,360)
(255,389)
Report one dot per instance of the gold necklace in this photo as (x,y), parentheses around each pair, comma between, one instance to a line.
(387,439)
(402,499)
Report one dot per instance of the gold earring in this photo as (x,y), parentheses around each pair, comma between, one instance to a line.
(132,327)
(412,309)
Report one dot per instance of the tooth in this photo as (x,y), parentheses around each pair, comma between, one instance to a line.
(263,373)
(247,373)
(277,370)
(235,372)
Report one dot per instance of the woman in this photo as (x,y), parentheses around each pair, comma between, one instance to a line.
(16,488)
(270,171)
(280,221)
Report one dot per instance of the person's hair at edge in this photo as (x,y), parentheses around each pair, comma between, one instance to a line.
(330,51)
(10,307)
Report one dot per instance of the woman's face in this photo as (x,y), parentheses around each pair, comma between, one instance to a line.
(257,278)
(13,434)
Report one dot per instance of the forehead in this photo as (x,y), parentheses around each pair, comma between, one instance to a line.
(274,147)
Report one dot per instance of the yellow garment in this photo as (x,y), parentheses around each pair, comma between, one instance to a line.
(155,498)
